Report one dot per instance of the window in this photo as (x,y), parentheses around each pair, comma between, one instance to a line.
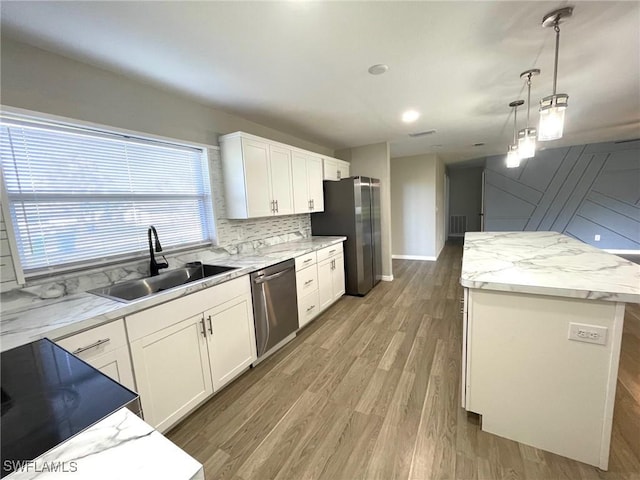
(79,196)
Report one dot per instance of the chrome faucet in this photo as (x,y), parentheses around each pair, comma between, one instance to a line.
(154,267)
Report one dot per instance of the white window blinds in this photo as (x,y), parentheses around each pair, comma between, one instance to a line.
(81,196)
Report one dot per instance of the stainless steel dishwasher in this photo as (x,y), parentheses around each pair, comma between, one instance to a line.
(275,306)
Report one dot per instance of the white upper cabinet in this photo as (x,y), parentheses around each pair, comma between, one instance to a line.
(307,183)
(334,169)
(263,178)
(257,177)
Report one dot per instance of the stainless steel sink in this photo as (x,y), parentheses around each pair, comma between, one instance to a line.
(135,289)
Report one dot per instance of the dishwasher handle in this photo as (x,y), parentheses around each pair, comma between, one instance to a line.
(263,278)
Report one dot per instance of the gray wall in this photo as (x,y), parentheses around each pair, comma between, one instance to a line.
(582,191)
(42,81)
(373,161)
(416,184)
(465,195)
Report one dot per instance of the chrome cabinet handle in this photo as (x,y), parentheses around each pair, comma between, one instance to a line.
(210,325)
(311,308)
(339,174)
(308,282)
(204,332)
(89,347)
(277,208)
(313,204)
(310,207)
(272,206)
(307,260)
(331,251)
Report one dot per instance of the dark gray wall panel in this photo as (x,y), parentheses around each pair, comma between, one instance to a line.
(583,191)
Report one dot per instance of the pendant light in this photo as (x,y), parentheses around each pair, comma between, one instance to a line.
(527,136)
(552,108)
(513,156)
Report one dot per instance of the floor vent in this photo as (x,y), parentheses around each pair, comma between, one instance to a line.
(457,225)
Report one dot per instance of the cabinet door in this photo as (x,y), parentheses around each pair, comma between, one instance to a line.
(301,197)
(330,169)
(256,171)
(343,169)
(337,277)
(115,364)
(314,182)
(325,283)
(172,371)
(281,179)
(231,339)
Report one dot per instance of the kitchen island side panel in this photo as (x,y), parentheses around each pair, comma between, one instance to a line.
(534,385)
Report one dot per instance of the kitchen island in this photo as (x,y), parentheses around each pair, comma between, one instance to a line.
(543,316)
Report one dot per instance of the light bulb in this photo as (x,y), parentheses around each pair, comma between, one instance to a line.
(513,157)
(527,143)
(551,123)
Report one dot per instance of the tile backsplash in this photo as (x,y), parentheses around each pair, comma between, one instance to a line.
(233,236)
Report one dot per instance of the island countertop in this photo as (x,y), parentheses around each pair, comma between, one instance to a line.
(547,263)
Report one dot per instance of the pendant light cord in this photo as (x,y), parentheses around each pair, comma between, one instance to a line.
(529,97)
(515,124)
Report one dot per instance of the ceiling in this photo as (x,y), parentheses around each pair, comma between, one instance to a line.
(301,66)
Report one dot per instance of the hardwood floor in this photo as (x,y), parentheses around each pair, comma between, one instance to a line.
(370,390)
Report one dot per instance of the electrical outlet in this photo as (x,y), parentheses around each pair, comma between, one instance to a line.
(581,332)
(596,238)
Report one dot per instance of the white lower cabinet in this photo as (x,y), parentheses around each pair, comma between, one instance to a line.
(231,340)
(173,372)
(105,348)
(331,279)
(185,350)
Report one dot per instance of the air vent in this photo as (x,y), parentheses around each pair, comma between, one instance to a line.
(478,144)
(421,134)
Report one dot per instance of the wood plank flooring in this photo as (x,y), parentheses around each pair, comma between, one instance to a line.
(370,390)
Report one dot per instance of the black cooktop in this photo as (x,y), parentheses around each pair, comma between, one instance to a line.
(49,395)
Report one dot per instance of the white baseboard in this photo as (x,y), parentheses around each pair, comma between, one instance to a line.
(387,278)
(413,257)
(622,252)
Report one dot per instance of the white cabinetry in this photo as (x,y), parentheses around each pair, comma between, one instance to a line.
(307,288)
(257,177)
(188,348)
(105,348)
(307,183)
(334,169)
(330,275)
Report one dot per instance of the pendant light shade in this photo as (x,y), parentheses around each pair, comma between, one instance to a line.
(513,153)
(527,136)
(552,107)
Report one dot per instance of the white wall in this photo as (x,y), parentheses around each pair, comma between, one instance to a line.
(373,161)
(35,79)
(417,206)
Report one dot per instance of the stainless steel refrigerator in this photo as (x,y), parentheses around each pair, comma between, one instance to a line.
(352,209)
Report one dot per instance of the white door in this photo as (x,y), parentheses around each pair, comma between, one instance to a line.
(281,179)
(301,200)
(325,283)
(256,171)
(231,339)
(337,277)
(116,365)
(314,182)
(172,371)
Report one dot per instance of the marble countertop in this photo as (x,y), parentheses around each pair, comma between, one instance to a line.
(123,441)
(70,314)
(547,263)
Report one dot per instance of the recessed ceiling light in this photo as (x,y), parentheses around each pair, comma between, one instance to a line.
(410,116)
(378,69)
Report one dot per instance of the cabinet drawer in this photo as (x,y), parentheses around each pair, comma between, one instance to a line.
(308,308)
(97,341)
(304,261)
(306,281)
(329,252)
